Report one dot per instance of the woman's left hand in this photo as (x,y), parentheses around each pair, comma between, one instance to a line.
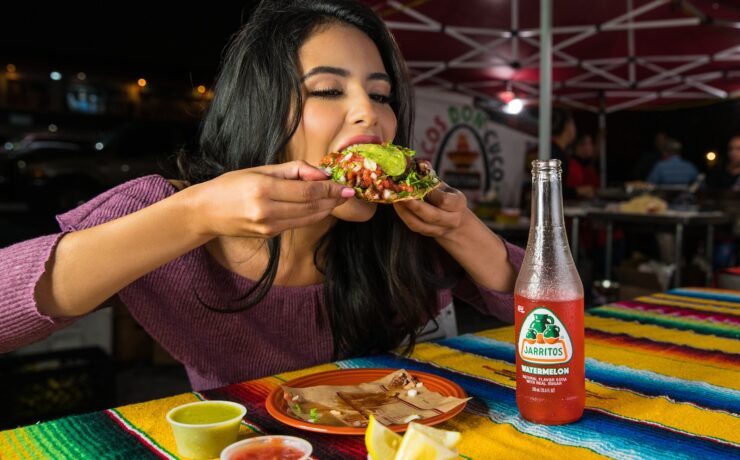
(438,216)
(444,216)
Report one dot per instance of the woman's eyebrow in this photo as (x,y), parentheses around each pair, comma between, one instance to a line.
(343,73)
(379,76)
(325,69)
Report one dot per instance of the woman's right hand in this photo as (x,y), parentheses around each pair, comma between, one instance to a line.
(265,201)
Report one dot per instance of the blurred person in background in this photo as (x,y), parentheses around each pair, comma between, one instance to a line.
(563,131)
(583,182)
(583,177)
(647,160)
(563,134)
(725,179)
(727,175)
(672,169)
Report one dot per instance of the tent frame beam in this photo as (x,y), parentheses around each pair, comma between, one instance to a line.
(598,74)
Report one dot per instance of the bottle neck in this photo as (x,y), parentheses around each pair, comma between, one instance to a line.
(548,271)
(547,202)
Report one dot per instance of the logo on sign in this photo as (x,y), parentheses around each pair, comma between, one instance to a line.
(460,161)
(543,338)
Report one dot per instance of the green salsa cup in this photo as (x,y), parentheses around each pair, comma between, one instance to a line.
(202,429)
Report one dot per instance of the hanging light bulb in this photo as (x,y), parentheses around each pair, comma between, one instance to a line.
(514,106)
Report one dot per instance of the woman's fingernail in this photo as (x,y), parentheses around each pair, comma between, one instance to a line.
(348,192)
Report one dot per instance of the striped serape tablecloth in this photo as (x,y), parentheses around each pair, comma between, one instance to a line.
(663,382)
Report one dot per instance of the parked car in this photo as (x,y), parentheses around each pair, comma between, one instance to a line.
(56,173)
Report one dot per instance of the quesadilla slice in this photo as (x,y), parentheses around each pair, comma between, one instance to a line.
(383,173)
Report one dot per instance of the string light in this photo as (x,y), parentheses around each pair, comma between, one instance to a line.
(201,89)
(81,76)
(711,156)
(56,76)
(141,82)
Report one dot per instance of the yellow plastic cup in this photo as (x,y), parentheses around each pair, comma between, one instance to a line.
(203,429)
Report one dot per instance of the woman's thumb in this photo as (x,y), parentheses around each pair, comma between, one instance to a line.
(295,170)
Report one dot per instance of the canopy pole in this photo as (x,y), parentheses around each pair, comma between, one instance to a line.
(602,137)
(545,78)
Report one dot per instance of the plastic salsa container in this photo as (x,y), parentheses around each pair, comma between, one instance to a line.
(268,448)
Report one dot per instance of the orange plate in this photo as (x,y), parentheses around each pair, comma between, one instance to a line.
(278,408)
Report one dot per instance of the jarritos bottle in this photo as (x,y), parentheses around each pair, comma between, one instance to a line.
(550,380)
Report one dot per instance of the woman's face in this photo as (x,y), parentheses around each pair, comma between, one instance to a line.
(346,93)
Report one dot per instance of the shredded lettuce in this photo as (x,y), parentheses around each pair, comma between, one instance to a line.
(417,182)
(337,174)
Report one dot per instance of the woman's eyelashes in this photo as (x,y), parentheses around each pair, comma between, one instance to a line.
(381,98)
(336,93)
(326,93)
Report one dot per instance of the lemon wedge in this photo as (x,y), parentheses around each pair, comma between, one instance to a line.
(448,439)
(424,443)
(381,442)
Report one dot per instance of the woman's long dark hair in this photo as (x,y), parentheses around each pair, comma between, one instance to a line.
(380,279)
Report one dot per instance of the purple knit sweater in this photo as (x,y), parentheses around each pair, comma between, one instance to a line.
(216,349)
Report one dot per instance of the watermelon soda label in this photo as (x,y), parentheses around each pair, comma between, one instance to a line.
(550,359)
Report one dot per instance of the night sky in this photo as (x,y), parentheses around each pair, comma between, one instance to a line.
(122,38)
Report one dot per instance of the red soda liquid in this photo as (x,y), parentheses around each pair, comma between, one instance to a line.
(550,377)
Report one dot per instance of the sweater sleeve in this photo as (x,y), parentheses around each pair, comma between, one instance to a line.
(488,301)
(22,264)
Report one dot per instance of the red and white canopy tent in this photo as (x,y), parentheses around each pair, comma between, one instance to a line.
(605,55)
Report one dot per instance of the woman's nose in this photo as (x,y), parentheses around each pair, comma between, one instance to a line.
(363,110)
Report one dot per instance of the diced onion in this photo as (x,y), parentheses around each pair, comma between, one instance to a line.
(370,164)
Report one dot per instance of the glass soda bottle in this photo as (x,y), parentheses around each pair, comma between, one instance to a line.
(550,379)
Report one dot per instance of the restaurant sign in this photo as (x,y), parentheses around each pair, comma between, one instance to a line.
(468,150)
